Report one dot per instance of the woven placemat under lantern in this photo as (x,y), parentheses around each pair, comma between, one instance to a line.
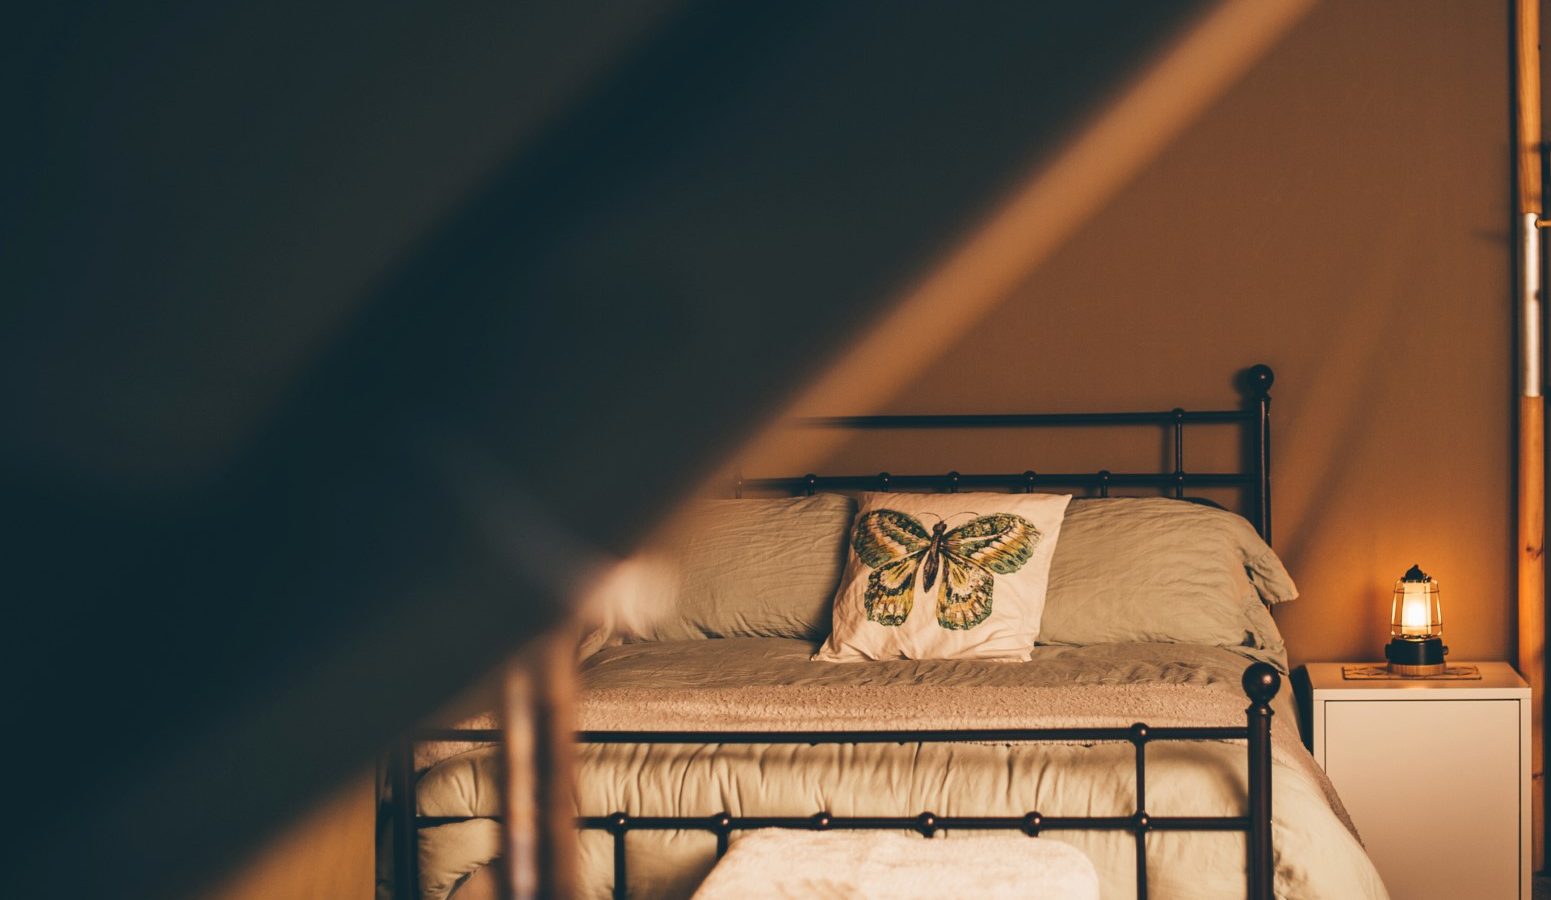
(1381,672)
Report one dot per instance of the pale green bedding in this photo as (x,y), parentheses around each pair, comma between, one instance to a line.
(651,684)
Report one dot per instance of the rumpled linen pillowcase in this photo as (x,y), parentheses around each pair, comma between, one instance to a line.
(945,576)
(1162,570)
(757,567)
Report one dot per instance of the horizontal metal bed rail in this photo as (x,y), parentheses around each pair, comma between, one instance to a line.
(927,823)
(1102,481)
(1135,733)
(1033,420)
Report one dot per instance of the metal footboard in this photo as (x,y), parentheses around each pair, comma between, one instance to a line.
(1261,683)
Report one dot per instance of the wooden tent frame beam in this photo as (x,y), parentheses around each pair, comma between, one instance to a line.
(1530,552)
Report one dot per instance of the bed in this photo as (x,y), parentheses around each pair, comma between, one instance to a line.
(1150,741)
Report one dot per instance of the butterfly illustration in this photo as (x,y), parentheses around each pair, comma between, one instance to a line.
(896,546)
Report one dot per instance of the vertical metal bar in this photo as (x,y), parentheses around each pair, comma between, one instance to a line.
(1179,452)
(737,487)
(406,842)
(1141,862)
(1103,482)
(618,827)
(1261,682)
(810,484)
(1260,380)
(722,824)
(1139,741)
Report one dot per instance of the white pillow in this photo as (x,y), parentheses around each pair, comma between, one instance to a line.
(945,576)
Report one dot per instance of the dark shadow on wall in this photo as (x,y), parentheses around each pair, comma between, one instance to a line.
(337,342)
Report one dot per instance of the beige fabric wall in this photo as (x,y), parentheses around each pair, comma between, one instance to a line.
(1341,215)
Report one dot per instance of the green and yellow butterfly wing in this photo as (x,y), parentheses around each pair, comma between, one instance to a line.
(891,591)
(964,599)
(1000,543)
(884,535)
(891,543)
(972,555)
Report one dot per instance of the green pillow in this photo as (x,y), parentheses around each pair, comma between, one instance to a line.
(754,568)
(1159,569)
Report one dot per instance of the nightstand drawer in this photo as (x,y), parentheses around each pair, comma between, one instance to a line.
(1449,766)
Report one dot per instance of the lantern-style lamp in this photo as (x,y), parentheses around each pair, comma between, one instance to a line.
(1416,627)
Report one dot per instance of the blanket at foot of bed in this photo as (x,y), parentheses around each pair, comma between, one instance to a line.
(883,866)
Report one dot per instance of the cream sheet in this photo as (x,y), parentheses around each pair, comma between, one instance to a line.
(651,684)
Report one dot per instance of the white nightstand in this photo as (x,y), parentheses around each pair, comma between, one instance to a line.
(1436,777)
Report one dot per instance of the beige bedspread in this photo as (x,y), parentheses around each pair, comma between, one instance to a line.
(738,683)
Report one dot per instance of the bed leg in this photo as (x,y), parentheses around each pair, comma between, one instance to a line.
(1261,682)
(406,842)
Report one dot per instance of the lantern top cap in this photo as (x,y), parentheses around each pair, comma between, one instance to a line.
(1415,573)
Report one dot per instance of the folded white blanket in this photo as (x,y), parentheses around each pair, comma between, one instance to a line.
(862,865)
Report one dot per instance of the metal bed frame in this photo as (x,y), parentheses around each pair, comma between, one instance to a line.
(1261,682)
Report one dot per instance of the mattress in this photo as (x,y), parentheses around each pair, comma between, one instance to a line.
(771,682)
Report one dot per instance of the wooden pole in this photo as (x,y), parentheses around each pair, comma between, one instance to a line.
(1531,423)
(554,764)
(539,846)
(519,865)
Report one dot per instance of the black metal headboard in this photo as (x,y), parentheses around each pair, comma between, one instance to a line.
(1253,477)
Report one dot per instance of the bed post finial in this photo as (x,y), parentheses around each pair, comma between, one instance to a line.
(1261,683)
(1260,380)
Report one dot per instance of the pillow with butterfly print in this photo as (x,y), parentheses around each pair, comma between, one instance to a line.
(945,576)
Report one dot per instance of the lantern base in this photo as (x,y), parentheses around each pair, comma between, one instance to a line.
(1406,671)
(1416,658)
